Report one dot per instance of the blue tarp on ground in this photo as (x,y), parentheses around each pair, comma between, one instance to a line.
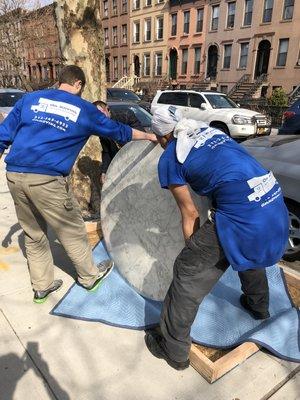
(221,321)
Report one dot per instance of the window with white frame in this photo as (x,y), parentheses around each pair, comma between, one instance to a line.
(248,12)
(115,68)
(124,66)
(159,28)
(124,34)
(148,3)
(231,14)
(184,61)
(105,8)
(244,55)
(215,17)
(146,64)
(268,10)
(124,6)
(136,4)
(158,64)
(136,32)
(227,56)
(106,37)
(197,60)
(282,52)
(186,22)
(147,30)
(115,7)
(173,24)
(199,23)
(288,9)
(115,35)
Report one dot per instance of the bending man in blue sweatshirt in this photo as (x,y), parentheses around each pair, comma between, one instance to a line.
(45,132)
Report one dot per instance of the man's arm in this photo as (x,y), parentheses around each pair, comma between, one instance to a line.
(8,127)
(188,210)
(139,135)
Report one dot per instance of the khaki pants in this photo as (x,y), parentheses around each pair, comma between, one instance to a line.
(42,200)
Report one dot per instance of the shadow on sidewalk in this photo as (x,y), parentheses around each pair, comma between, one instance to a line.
(13,368)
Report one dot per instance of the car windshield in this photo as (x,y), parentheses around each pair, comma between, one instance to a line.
(219,101)
(9,99)
(141,114)
(124,95)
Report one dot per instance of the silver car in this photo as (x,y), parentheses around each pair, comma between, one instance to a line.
(281,154)
(8,98)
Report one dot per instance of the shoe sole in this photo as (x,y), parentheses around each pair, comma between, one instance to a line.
(44,299)
(100,281)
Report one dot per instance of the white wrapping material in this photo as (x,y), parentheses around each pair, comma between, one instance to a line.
(165,119)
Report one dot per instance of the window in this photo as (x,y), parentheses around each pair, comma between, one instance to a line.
(184,61)
(124,34)
(124,65)
(268,10)
(215,18)
(146,64)
(197,60)
(136,32)
(159,28)
(115,68)
(244,55)
(248,12)
(231,15)
(199,24)
(186,22)
(288,9)
(124,6)
(106,39)
(148,3)
(147,30)
(136,4)
(196,100)
(282,52)
(114,7)
(227,55)
(158,64)
(176,98)
(115,35)
(173,24)
(105,8)
(224,89)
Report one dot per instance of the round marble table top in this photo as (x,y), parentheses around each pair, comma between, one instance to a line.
(140,221)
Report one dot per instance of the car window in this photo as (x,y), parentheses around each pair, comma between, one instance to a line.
(10,99)
(196,100)
(174,98)
(140,113)
(219,101)
(123,95)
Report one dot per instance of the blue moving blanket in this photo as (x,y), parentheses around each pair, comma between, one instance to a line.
(221,321)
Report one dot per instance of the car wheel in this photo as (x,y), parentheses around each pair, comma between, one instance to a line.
(221,127)
(293,250)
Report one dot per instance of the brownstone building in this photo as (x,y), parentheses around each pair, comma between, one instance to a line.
(116,29)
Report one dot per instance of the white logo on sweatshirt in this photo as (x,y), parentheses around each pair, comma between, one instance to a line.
(261,186)
(66,110)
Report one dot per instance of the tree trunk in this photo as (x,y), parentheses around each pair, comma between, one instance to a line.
(81,41)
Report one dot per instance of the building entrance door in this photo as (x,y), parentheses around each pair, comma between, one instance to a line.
(262,59)
(212,62)
(137,66)
(173,64)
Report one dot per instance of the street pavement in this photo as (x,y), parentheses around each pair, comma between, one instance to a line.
(48,357)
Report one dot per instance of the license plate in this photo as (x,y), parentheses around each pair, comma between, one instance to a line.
(260,131)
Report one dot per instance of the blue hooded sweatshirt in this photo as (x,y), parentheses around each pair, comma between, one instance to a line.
(47,129)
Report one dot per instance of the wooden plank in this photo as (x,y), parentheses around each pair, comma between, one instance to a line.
(292,278)
(201,363)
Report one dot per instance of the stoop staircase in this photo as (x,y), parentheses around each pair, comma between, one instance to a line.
(245,88)
(127,82)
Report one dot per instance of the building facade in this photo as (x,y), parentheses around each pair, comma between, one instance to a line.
(116,30)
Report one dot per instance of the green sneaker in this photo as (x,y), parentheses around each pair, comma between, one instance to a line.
(40,296)
(105,268)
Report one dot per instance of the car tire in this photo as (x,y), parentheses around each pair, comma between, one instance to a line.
(222,127)
(293,251)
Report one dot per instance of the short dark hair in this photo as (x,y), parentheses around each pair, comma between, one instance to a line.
(70,74)
(100,103)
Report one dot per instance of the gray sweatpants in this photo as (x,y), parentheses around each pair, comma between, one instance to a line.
(196,270)
(42,200)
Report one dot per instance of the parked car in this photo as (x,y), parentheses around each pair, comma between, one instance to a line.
(144,117)
(119,94)
(282,156)
(217,110)
(291,120)
(8,98)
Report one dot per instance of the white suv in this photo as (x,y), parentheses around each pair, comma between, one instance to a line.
(217,110)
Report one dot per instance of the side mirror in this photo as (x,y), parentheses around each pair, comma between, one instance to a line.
(203,106)
(238,104)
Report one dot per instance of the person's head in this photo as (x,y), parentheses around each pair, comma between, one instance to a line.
(72,79)
(103,107)
(164,121)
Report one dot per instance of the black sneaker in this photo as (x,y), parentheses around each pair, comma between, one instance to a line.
(153,342)
(105,268)
(40,296)
(255,314)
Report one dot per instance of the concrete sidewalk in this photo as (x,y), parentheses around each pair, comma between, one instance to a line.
(46,357)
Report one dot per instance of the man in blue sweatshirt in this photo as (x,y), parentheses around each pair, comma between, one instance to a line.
(45,132)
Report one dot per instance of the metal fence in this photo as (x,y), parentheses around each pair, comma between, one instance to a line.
(275,113)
